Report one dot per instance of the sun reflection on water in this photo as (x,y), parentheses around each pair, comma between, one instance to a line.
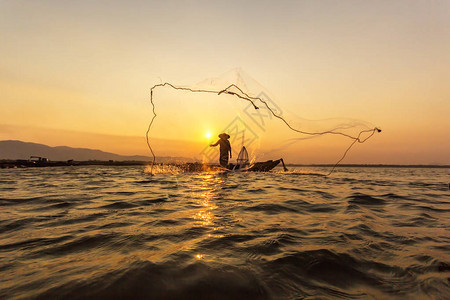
(209,185)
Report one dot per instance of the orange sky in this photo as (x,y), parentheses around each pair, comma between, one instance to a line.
(79,74)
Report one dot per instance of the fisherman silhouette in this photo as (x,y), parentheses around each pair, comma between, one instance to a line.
(225,147)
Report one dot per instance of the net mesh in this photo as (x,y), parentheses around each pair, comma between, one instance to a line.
(242,159)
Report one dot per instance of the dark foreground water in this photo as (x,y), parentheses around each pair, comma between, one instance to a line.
(117,232)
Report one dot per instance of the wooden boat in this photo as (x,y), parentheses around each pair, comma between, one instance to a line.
(265,166)
(242,165)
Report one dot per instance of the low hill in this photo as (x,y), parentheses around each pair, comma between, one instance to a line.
(23,150)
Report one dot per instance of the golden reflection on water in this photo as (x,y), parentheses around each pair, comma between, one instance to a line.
(209,184)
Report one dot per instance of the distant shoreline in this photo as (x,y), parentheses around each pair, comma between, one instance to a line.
(22,163)
(8,163)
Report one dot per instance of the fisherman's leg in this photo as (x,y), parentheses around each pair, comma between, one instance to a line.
(223,161)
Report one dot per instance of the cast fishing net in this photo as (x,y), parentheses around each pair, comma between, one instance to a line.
(237,104)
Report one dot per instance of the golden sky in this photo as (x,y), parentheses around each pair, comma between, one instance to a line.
(78,73)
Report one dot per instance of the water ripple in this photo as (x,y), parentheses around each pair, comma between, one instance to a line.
(110,232)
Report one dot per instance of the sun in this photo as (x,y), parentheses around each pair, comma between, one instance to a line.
(208,135)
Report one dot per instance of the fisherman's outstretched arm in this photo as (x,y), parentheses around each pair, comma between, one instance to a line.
(213,145)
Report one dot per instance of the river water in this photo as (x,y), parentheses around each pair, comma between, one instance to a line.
(117,232)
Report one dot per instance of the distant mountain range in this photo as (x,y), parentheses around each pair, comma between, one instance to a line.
(23,150)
